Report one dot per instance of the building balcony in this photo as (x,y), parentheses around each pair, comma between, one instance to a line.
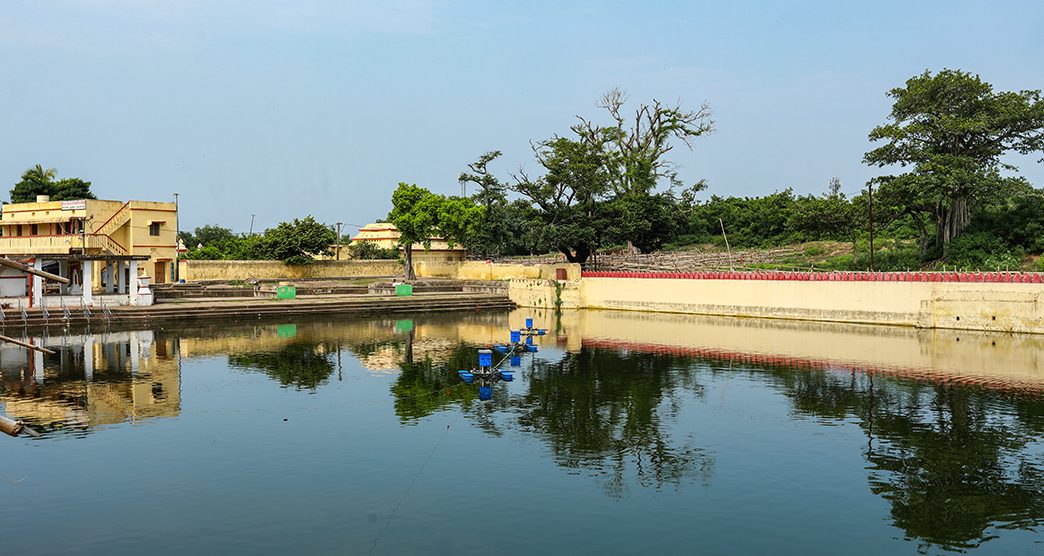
(58,245)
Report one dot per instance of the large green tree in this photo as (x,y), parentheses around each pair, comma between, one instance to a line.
(637,146)
(602,185)
(951,130)
(492,238)
(43,181)
(570,196)
(295,242)
(419,215)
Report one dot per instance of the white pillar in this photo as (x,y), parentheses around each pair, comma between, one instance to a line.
(63,271)
(88,359)
(135,353)
(132,284)
(121,280)
(38,363)
(37,284)
(88,282)
(110,279)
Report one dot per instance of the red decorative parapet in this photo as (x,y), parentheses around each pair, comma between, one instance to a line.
(980,277)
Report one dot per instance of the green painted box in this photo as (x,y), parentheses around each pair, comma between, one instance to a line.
(404,289)
(286,292)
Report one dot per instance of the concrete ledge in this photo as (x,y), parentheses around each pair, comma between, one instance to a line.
(999,306)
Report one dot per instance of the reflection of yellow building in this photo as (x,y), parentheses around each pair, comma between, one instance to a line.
(72,233)
(102,380)
(127,376)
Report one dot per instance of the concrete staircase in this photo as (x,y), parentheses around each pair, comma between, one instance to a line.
(119,218)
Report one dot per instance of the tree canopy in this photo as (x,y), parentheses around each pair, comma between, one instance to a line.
(951,130)
(43,181)
(295,242)
(419,215)
(599,184)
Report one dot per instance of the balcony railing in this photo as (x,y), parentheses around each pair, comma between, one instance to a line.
(57,244)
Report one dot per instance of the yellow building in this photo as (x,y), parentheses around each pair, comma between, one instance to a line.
(97,243)
(386,236)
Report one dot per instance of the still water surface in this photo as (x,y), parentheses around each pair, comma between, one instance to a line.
(626,434)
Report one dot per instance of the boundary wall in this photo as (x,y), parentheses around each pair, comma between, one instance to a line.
(1008,302)
(481,270)
(197,270)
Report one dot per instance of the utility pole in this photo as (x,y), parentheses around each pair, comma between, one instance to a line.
(870,208)
(338,255)
(177,242)
(251,232)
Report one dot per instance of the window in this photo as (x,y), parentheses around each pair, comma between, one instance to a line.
(154,228)
(34,230)
(18,230)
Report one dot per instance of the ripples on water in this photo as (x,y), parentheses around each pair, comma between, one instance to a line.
(350,435)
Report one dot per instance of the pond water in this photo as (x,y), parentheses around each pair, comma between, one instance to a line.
(627,433)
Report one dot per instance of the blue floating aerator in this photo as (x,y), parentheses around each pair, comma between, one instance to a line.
(507,376)
(531,349)
(500,348)
(529,323)
(516,336)
(529,340)
(485,358)
(485,393)
(516,360)
(465,376)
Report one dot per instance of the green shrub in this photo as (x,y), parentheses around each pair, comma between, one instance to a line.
(370,250)
(983,251)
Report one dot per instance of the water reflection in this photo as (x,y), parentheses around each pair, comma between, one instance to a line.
(608,411)
(956,464)
(300,364)
(92,379)
(950,424)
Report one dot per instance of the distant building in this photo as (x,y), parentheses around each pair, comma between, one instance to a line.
(99,245)
(386,236)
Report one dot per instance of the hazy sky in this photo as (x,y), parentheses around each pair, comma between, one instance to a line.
(288,108)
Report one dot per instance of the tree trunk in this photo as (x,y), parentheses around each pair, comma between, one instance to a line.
(951,221)
(578,255)
(408,263)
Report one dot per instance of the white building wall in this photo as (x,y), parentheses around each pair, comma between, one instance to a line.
(13,283)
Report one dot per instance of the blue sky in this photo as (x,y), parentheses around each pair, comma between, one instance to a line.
(288,108)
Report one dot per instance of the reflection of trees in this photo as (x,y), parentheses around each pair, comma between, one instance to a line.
(609,412)
(424,387)
(952,461)
(600,411)
(300,364)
